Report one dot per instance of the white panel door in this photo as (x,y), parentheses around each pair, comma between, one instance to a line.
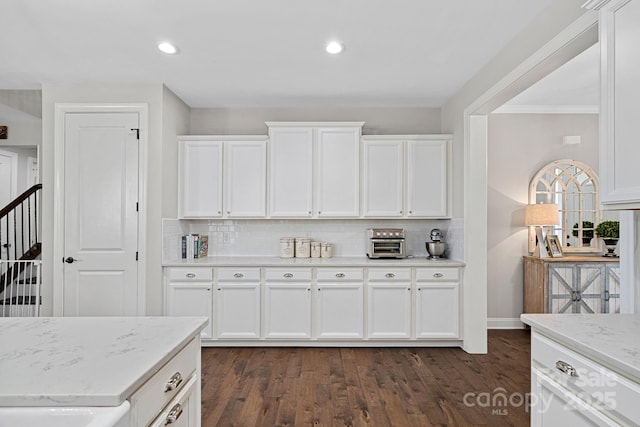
(246,179)
(191,299)
(291,171)
(338,172)
(287,310)
(200,179)
(8,191)
(437,310)
(427,179)
(100,214)
(238,310)
(339,311)
(383,178)
(389,310)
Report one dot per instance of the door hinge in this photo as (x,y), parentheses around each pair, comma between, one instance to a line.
(137,133)
(137,207)
(136,256)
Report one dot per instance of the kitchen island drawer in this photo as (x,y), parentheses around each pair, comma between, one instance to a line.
(339,274)
(164,385)
(395,274)
(288,274)
(238,274)
(429,274)
(596,384)
(190,273)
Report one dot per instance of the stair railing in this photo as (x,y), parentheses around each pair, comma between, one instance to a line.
(21,295)
(20,226)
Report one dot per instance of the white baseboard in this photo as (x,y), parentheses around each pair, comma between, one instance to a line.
(504,323)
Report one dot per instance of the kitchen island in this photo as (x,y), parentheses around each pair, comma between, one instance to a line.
(76,362)
(585,369)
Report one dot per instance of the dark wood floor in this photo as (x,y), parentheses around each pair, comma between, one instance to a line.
(368,386)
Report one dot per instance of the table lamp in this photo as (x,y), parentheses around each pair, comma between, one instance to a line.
(539,216)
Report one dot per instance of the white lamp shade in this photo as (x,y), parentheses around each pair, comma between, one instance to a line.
(541,215)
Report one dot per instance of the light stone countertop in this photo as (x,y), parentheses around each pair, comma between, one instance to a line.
(274,261)
(85,361)
(611,339)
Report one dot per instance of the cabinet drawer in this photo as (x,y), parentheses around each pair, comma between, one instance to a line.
(190,273)
(390,274)
(164,385)
(424,274)
(339,274)
(606,390)
(181,410)
(239,274)
(287,274)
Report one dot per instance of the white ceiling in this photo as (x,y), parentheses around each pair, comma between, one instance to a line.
(262,53)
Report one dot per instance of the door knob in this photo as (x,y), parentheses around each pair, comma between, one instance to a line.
(69,259)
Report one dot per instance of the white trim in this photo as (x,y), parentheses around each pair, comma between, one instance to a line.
(547,109)
(562,47)
(504,323)
(61,109)
(315,124)
(629,277)
(13,185)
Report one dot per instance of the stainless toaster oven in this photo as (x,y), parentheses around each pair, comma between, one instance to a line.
(386,243)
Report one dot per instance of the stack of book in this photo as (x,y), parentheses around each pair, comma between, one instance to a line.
(195,246)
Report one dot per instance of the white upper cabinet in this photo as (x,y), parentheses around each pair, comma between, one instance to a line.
(407,176)
(620,95)
(245,184)
(428,178)
(200,179)
(222,176)
(291,171)
(338,172)
(314,169)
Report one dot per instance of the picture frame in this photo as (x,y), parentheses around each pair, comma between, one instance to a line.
(553,246)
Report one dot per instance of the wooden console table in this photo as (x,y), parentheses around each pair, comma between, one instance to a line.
(571,285)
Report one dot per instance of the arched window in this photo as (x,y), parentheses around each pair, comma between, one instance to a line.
(574,187)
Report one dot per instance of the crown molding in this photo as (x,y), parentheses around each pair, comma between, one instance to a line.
(547,109)
(594,4)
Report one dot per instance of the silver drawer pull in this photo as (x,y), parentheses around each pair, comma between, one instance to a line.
(174,382)
(288,275)
(389,275)
(238,275)
(340,275)
(190,275)
(438,275)
(566,368)
(173,414)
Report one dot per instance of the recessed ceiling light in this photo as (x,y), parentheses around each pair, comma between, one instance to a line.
(334,47)
(167,48)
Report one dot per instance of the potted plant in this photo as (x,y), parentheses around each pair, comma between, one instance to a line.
(587,232)
(610,232)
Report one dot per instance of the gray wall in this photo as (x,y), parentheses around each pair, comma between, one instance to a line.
(519,145)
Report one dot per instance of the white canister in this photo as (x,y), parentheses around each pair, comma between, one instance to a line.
(315,249)
(326,250)
(303,247)
(287,248)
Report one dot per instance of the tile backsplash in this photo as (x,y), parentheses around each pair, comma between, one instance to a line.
(258,237)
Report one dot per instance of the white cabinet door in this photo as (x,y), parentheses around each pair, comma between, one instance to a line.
(338,172)
(238,310)
(389,310)
(287,310)
(191,299)
(246,179)
(339,310)
(383,178)
(620,92)
(437,310)
(427,178)
(291,171)
(200,179)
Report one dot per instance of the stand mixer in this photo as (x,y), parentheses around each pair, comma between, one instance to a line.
(436,247)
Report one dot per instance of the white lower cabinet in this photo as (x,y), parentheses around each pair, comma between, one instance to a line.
(339,304)
(182,411)
(389,304)
(437,303)
(237,302)
(287,304)
(189,293)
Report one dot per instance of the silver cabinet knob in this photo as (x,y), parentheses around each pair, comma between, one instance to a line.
(287,275)
(340,275)
(174,382)
(389,275)
(238,275)
(190,275)
(173,414)
(438,275)
(566,368)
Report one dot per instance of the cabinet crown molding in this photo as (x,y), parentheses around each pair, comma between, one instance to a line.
(314,124)
(594,4)
(222,137)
